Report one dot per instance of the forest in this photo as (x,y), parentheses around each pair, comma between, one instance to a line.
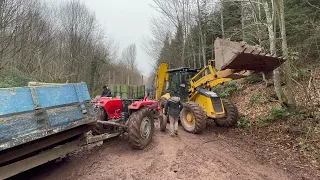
(184,33)
(64,42)
(275,115)
(59,42)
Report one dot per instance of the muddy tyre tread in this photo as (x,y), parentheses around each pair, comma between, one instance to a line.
(232,115)
(99,129)
(135,119)
(163,120)
(199,115)
(162,102)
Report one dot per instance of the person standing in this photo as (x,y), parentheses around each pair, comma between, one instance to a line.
(173,108)
(106,91)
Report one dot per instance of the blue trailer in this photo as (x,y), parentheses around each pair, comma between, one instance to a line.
(42,123)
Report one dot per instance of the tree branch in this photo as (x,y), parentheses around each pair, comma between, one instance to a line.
(313,5)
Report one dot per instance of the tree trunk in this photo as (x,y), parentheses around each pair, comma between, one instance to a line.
(201,35)
(199,53)
(271,29)
(185,32)
(242,21)
(288,73)
(221,17)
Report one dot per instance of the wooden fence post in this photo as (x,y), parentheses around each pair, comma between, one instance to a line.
(128,81)
(141,79)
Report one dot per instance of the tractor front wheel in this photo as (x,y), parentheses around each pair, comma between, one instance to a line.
(140,128)
(231,115)
(193,118)
(102,116)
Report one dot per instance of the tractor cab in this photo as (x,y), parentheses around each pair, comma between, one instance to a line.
(179,81)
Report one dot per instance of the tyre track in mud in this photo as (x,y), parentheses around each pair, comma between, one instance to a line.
(188,156)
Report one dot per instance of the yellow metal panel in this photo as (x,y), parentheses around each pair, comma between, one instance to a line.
(160,79)
(207,107)
(218,81)
(166,96)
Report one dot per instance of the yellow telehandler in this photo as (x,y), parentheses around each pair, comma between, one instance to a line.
(233,60)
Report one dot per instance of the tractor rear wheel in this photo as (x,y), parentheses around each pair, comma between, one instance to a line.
(140,128)
(193,117)
(231,115)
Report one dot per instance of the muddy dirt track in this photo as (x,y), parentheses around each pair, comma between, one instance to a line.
(211,155)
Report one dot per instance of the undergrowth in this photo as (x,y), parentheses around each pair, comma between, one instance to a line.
(229,88)
(253,79)
(247,122)
(257,98)
(14,78)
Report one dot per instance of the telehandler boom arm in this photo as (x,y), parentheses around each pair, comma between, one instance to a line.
(233,60)
(214,77)
(160,80)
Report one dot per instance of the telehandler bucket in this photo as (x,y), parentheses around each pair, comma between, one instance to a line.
(241,56)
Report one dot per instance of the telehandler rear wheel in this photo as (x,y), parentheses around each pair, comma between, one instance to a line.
(140,128)
(192,117)
(162,102)
(231,115)
(163,119)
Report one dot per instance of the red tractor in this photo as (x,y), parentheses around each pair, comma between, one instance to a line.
(135,117)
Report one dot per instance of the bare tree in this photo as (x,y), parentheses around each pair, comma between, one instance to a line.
(270,16)
(201,35)
(288,72)
(129,56)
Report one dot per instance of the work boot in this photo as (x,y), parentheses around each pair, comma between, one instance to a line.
(176,132)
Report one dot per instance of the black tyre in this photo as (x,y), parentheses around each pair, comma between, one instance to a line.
(163,122)
(162,102)
(231,115)
(99,128)
(140,128)
(192,117)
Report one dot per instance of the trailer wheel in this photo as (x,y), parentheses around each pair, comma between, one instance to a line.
(141,128)
(193,118)
(231,115)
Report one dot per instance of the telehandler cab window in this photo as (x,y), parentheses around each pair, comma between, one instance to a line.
(174,82)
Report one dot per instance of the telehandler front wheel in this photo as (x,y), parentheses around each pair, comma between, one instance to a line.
(192,117)
(140,128)
(231,115)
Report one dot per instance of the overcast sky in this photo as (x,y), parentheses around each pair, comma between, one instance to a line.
(127,22)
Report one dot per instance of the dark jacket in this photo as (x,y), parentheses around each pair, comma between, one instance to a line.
(106,93)
(173,106)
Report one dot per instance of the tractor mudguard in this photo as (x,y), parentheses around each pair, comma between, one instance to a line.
(113,107)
